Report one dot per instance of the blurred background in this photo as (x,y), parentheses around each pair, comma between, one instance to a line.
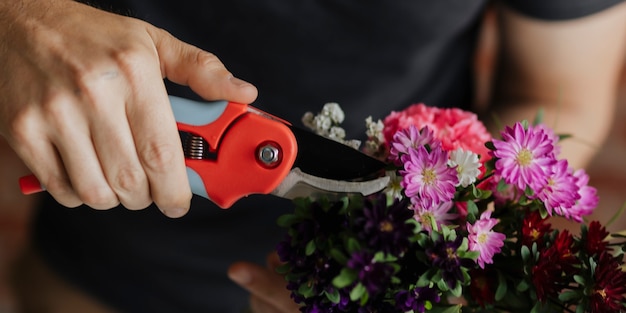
(607,171)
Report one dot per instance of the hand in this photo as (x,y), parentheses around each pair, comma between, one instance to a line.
(84,105)
(268,293)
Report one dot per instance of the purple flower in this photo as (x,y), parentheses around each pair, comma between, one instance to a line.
(444,256)
(415,300)
(438,214)
(524,156)
(561,191)
(410,138)
(428,177)
(373,275)
(484,240)
(588,197)
(384,228)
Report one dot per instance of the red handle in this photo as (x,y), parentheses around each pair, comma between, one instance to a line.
(29,184)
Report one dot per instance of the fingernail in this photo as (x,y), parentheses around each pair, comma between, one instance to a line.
(239,83)
(240,276)
(174,213)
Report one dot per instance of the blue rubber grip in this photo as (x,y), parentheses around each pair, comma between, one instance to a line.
(196,113)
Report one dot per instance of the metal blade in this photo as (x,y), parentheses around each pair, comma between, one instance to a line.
(300,184)
(325,158)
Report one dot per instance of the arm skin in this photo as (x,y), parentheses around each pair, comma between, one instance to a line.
(84,106)
(570,69)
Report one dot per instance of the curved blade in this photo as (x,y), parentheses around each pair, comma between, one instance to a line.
(325,158)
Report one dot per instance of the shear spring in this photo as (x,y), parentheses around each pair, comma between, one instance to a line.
(194,147)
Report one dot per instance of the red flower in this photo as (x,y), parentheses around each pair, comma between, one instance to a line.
(483,286)
(555,268)
(609,287)
(534,228)
(595,242)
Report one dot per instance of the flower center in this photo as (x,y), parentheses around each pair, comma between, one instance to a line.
(602,293)
(429,176)
(482,238)
(451,254)
(534,234)
(524,157)
(386,226)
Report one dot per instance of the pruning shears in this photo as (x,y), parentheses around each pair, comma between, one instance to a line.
(233,150)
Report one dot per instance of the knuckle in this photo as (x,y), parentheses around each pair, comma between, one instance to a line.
(157,157)
(62,191)
(99,198)
(209,61)
(128,180)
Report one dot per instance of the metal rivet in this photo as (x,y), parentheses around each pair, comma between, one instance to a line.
(269,154)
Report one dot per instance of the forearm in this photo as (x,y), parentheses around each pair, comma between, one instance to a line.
(568,69)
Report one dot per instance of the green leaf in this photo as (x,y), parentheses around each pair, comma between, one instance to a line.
(522,286)
(502,186)
(502,287)
(525,253)
(333,296)
(457,291)
(472,207)
(538,117)
(490,146)
(525,124)
(283,269)
(616,215)
(446,309)
(569,295)
(353,245)
(339,256)
(580,280)
(286,220)
(357,292)
(310,248)
(345,278)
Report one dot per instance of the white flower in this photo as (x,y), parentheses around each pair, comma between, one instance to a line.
(334,112)
(467,166)
(337,133)
(394,189)
(374,130)
(322,124)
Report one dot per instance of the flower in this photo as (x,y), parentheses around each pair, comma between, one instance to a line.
(463,225)
(607,293)
(427,176)
(524,156)
(466,164)
(484,240)
(561,191)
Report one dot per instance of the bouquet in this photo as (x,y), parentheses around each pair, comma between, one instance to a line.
(463,226)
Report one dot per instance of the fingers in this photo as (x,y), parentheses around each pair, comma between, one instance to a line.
(202,71)
(158,145)
(267,289)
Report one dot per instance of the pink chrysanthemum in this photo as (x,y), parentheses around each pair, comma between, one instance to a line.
(410,138)
(435,215)
(455,128)
(588,197)
(525,157)
(484,240)
(427,176)
(561,191)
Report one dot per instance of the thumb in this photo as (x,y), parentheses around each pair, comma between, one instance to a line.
(202,71)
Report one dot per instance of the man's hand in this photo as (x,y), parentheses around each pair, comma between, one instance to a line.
(83,103)
(268,293)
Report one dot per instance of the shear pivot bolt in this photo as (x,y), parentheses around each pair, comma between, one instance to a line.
(269,154)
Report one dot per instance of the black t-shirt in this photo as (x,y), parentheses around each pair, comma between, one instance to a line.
(370,56)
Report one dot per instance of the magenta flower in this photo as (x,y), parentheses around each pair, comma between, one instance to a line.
(484,240)
(588,198)
(410,138)
(524,156)
(428,177)
(435,215)
(561,191)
